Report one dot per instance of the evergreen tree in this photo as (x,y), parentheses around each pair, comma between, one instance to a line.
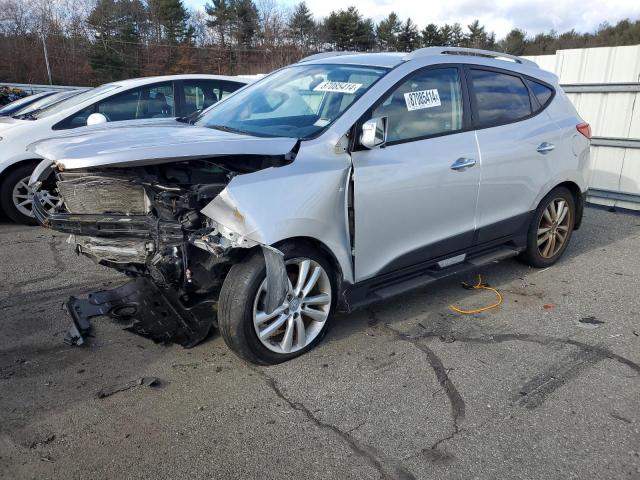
(245,23)
(446,35)
(301,25)
(514,43)
(431,36)
(387,32)
(409,38)
(221,16)
(116,51)
(348,30)
(477,37)
(457,36)
(171,21)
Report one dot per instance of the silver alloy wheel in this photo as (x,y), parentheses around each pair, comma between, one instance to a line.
(553,229)
(23,198)
(300,319)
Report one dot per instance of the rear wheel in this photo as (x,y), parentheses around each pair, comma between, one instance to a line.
(16,196)
(550,229)
(294,327)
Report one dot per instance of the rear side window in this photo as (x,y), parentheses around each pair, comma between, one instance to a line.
(541,92)
(428,103)
(150,101)
(201,94)
(500,98)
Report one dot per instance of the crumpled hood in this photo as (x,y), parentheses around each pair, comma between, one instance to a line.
(129,145)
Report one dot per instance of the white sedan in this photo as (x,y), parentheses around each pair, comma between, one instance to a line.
(134,99)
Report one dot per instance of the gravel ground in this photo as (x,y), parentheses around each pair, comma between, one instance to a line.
(547,386)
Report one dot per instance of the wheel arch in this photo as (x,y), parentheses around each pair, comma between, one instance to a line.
(323,249)
(20,163)
(578,197)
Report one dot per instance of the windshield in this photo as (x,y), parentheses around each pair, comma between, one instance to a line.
(69,102)
(21,103)
(298,101)
(48,101)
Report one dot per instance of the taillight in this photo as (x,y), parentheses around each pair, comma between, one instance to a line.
(585,129)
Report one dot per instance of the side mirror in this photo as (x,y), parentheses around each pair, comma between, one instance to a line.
(96,119)
(374,132)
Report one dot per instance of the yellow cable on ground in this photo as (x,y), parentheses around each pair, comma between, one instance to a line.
(477,286)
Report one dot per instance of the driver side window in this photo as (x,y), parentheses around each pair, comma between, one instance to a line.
(428,103)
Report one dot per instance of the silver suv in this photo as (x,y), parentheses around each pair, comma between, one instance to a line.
(329,184)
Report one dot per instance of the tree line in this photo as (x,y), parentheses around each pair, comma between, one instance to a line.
(95,41)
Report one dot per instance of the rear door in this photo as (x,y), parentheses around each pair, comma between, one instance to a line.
(413,199)
(517,141)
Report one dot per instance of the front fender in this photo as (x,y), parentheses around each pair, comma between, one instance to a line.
(304,199)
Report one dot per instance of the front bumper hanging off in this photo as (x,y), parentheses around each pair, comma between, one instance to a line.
(146,309)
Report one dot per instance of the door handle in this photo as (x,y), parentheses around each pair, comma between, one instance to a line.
(462,164)
(545,148)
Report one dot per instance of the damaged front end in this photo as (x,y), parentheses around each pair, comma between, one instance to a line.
(148,222)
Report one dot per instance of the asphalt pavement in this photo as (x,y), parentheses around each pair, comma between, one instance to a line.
(547,386)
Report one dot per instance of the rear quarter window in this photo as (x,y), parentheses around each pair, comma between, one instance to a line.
(542,93)
(500,98)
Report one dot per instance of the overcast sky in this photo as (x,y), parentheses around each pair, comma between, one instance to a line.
(500,16)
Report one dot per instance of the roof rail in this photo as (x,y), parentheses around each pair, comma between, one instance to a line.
(321,55)
(428,51)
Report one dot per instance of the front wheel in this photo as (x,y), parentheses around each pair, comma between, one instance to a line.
(550,229)
(294,327)
(16,196)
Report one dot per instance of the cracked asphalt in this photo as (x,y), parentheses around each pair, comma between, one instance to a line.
(546,386)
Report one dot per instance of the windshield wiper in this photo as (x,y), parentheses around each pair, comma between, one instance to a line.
(224,128)
(190,119)
(26,116)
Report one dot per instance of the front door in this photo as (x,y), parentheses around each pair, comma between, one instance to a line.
(415,198)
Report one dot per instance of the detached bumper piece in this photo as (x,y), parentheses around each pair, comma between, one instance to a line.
(148,310)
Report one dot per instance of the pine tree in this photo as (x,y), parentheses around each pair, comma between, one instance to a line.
(171,21)
(221,16)
(301,25)
(409,38)
(514,42)
(431,36)
(348,30)
(387,32)
(116,51)
(245,24)
(446,35)
(457,36)
(477,36)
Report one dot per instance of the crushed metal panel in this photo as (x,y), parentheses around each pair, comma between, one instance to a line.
(277,279)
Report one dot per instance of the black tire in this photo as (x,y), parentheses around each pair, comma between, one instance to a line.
(532,256)
(6,194)
(235,306)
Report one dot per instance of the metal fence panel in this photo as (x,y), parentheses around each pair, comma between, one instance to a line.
(604,85)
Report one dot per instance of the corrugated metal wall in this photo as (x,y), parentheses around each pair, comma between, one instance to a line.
(604,85)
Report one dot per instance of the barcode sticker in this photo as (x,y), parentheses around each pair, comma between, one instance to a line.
(338,87)
(422,99)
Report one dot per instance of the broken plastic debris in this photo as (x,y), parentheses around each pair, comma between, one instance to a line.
(145,381)
(590,322)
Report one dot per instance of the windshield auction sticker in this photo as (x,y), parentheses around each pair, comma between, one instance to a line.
(338,87)
(422,99)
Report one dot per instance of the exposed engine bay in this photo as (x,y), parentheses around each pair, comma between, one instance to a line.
(146,222)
